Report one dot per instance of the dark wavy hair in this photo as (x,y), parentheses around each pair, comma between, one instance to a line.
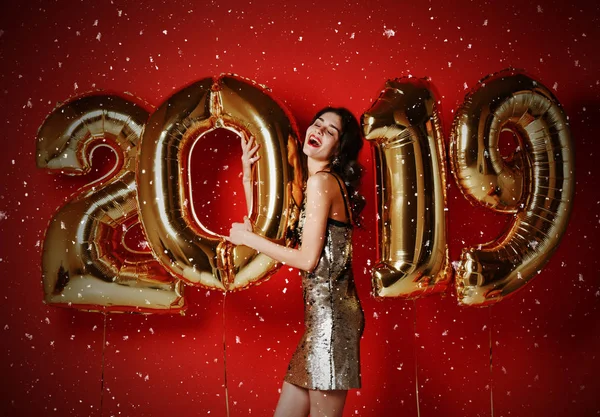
(347,167)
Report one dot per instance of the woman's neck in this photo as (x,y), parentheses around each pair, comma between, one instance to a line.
(315,166)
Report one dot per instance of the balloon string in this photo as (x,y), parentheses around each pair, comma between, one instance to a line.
(416,359)
(102,367)
(225,357)
(491,357)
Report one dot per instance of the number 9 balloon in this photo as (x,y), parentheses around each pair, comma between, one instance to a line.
(536,186)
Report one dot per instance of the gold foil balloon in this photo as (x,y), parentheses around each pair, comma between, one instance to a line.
(179,240)
(536,185)
(404,125)
(86,263)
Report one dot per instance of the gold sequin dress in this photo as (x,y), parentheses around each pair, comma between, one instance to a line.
(327,356)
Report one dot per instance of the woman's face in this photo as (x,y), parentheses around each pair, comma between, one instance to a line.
(323,136)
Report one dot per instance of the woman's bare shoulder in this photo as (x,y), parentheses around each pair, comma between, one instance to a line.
(321,180)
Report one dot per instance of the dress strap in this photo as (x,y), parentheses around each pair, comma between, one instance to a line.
(344,195)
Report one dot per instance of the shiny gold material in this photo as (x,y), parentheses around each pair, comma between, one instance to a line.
(536,185)
(85,262)
(405,127)
(327,356)
(178,239)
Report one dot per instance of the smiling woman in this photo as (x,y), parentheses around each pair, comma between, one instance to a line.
(326,362)
(323,135)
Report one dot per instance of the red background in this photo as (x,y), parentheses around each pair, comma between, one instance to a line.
(543,342)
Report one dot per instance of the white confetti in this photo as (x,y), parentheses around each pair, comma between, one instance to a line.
(388,33)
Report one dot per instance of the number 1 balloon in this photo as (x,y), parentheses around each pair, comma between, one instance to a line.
(404,125)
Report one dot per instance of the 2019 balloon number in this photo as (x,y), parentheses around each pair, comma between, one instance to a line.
(87,265)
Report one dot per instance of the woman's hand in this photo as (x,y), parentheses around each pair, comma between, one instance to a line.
(239,232)
(249,156)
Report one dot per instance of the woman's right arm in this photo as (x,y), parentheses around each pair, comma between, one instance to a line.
(306,257)
(249,157)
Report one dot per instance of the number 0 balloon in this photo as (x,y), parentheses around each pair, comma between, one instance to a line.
(179,240)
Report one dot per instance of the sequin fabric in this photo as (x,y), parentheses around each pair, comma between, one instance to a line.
(327,356)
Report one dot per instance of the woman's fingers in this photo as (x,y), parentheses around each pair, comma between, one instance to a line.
(236,233)
(247,142)
(249,147)
(252,152)
(249,153)
(244,227)
(248,224)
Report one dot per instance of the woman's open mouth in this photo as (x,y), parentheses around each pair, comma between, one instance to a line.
(314,141)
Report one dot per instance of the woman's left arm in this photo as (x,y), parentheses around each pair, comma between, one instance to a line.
(318,203)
